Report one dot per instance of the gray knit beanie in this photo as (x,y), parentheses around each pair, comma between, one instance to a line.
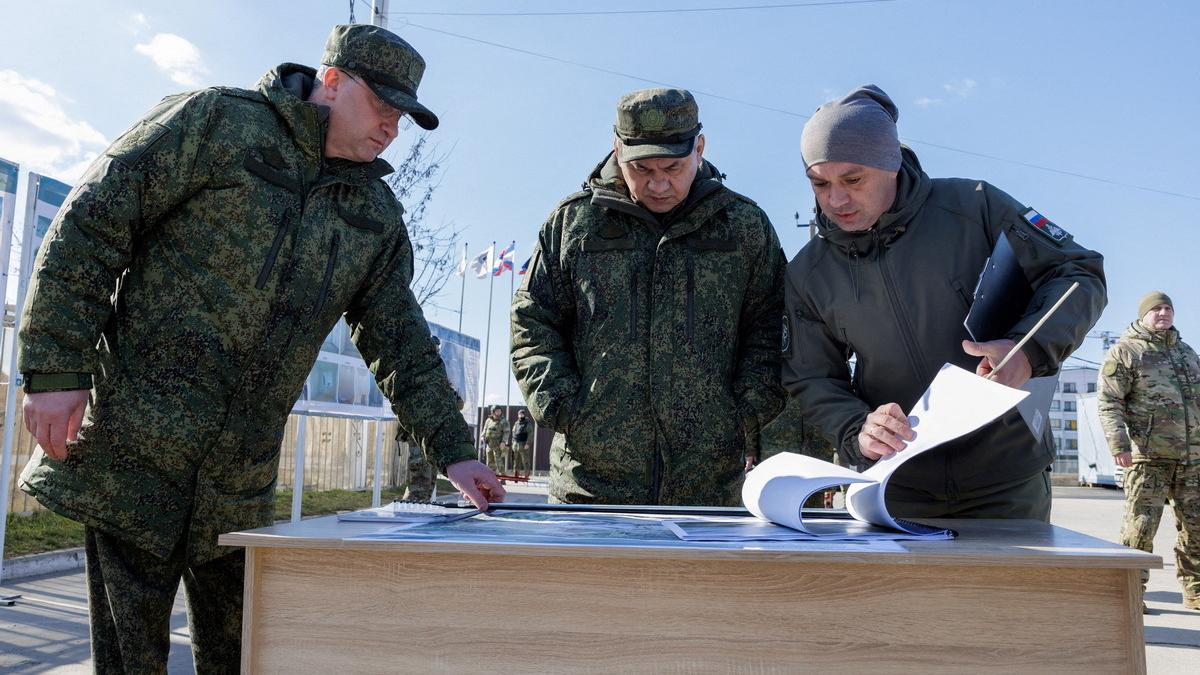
(859,128)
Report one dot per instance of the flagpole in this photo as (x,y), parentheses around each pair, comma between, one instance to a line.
(512,273)
(463,293)
(487,343)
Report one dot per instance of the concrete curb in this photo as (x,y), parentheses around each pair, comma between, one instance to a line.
(50,562)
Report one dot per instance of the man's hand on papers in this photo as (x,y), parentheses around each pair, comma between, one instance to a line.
(1014,374)
(885,432)
(54,417)
(1124,459)
(476,481)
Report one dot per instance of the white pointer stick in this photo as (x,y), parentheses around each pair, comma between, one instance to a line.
(1033,330)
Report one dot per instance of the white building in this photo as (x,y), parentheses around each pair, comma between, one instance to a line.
(1064,418)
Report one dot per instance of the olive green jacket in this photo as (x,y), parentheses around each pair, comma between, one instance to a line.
(651,347)
(194,272)
(1148,396)
(894,298)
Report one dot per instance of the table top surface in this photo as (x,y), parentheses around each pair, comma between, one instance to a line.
(979,542)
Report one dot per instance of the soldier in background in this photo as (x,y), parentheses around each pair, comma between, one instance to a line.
(647,331)
(1148,395)
(522,435)
(184,290)
(496,437)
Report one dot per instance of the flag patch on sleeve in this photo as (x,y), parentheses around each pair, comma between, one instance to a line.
(1042,225)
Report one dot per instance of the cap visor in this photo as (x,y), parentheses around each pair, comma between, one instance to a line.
(423,116)
(631,153)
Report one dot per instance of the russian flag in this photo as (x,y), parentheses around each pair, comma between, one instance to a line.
(504,261)
(525,266)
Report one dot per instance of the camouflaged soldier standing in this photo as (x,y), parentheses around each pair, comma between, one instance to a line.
(647,331)
(188,282)
(495,435)
(1148,395)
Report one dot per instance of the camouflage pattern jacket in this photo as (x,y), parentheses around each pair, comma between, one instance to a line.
(895,296)
(651,349)
(1148,395)
(495,431)
(234,247)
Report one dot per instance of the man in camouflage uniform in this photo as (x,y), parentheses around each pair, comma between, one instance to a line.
(185,287)
(495,436)
(1148,395)
(647,331)
(522,436)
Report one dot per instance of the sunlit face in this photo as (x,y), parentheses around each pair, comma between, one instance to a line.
(852,196)
(660,184)
(1160,317)
(361,125)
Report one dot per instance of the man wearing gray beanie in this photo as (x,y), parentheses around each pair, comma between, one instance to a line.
(889,280)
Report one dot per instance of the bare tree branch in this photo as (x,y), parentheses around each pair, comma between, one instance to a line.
(416,179)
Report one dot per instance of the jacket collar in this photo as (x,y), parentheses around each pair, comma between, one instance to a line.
(1136,331)
(286,87)
(912,189)
(707,195)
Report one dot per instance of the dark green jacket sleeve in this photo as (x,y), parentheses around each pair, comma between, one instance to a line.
(146,173)
(818,360)
(391,333)
(1050,267)
(756,386)
(543,317)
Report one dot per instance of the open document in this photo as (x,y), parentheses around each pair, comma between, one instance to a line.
(956,403)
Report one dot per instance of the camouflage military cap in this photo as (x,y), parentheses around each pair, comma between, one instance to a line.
(390,66)
(657,123)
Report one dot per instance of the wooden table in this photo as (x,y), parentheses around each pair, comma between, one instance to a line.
(1005,597)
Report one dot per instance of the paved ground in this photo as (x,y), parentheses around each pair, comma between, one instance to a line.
(46,632)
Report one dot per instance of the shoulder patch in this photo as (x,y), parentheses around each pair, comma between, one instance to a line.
(786,344)
(1109,369)
(1042,225)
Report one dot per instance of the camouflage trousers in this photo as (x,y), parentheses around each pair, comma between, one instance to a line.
(420,475)
(130,596)
(1148,486)
(495,455)
(520,456)
(1027,498)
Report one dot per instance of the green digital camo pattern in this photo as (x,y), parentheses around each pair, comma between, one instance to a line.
(1148,485)
(1148,396)
(390,66)
(651,349)
(131,594)
(791,433)
(237,249)
(656,122)
(421,475)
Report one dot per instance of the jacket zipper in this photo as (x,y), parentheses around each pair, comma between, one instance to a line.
(329,264)
(265,273)
(633,304)
(910,344)
(1181,376)
(691,299)
(854,270)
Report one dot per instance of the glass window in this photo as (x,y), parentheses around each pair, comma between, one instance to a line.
(1091,387)
(1068,387)
(1055,423)
(1072,425)
(1068,406)
(1056,404)
(1072,444)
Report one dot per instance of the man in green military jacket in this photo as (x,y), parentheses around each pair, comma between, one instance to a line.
(495,437)
(890,280)
(185,287)
(647,331)
(1148,396)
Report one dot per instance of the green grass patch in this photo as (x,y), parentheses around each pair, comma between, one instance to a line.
(48,531)
(41,531)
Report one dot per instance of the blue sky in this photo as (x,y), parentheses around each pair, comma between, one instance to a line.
(1101,93)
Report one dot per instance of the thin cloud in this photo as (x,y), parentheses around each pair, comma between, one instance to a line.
(176,57)
(961,88)
(927,102)
(37,131)
(138,23)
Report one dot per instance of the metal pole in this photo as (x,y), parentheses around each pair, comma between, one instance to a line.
(377,492)
(462,294)
(487,343)
(298,469)
(379,13)
(508,380)
(10,400)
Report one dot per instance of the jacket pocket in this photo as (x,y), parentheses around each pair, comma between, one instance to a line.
(330,264)
(264,274)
